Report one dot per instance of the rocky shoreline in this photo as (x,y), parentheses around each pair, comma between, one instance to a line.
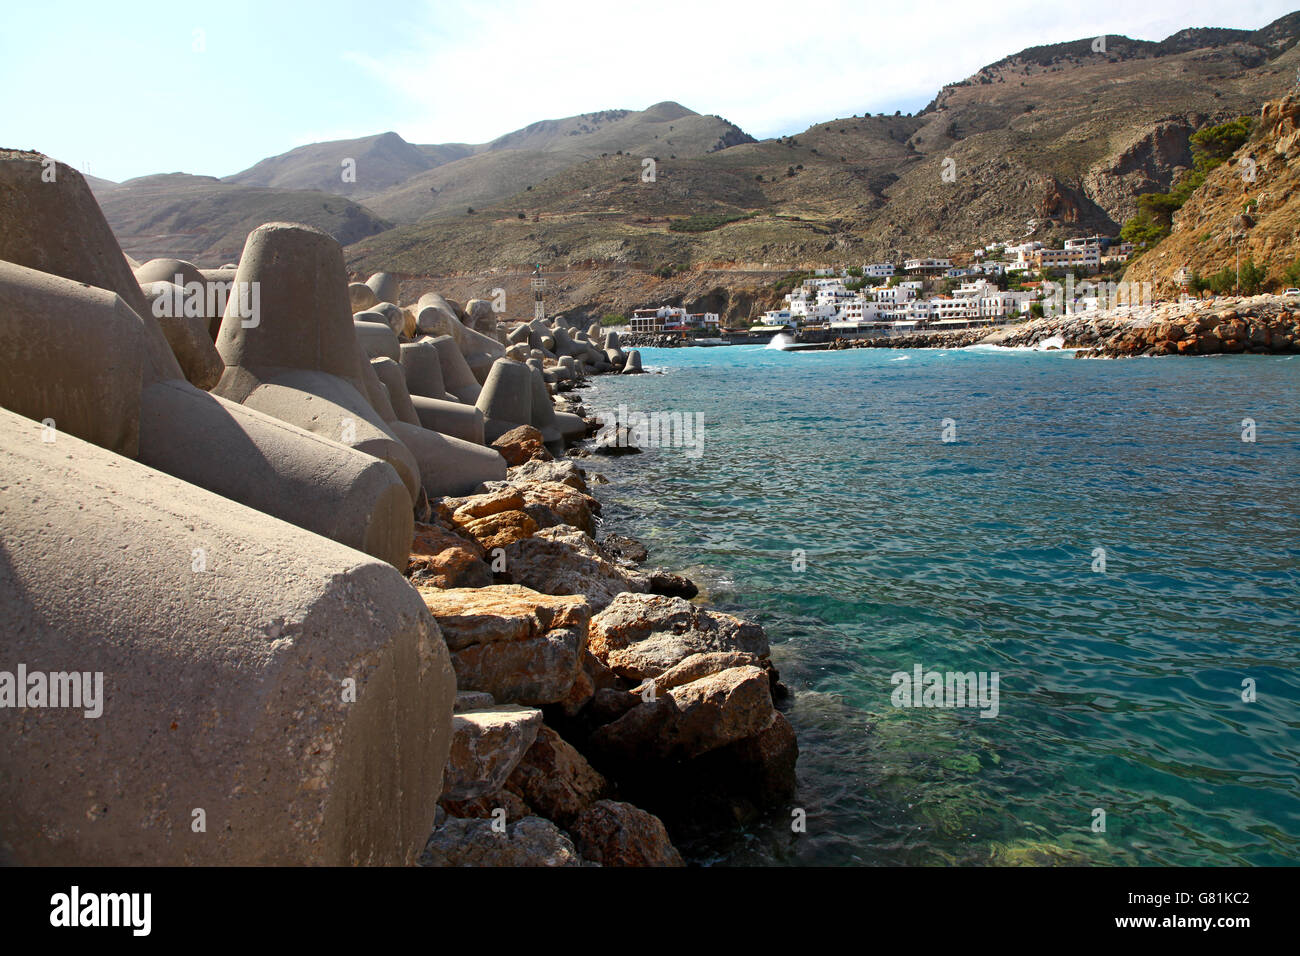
(352,600)
(663,721)
(1262,324)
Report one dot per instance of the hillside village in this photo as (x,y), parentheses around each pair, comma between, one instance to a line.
(1002,282)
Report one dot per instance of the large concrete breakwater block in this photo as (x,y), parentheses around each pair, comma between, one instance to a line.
(72,355)
(97,393)
(297,361)
(248,692)
(50,222)
(277,468)
(506,400)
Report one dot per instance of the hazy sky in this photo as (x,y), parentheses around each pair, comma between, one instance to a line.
(126,89)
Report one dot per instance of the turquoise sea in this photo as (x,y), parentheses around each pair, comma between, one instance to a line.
(1120,690)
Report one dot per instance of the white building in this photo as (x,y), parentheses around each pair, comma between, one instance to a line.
(878,270)
(925,266)
(670,318)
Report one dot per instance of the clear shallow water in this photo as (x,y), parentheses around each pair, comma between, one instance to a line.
(1118,690)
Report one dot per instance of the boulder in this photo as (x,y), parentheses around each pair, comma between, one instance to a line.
(536,471)
(486,746)
(531,841)
(522,444)
(444,559)
(481,506)
(563,560)
(555,780)
(640,636)
(500,530)
(516,644)
(613,833)
(691,719)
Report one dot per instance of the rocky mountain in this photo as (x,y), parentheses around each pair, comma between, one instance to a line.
(405,182)
(197,217)
(372,164)
(1250,205)
(205,221)
(1049,142)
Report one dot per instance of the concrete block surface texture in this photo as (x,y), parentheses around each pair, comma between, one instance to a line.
(265,695)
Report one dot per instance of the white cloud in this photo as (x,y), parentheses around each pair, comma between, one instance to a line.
(471,72)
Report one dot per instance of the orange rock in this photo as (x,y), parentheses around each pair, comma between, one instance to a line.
(444,559)
(522,444)
(481,506)
(500,529)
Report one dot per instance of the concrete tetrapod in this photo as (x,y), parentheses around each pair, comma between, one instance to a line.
(507,398)
(361,297)
(274,471)
(71,354)
(277,468)
(383,285)
(449,465)
(456,372)
(390,373)
(187,334)
(451,418)
(393,316)
(632,363)
(220,284)
(57,227)
(543,415)
(298,362)
(377,340)
(422,366)
(293,694)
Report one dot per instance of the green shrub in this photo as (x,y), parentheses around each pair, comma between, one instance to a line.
(1211,147)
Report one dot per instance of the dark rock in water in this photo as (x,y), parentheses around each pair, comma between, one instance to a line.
(625,547)
(672,585)
(620,441)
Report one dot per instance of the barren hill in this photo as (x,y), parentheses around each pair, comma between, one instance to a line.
(1052,141)
(205,221)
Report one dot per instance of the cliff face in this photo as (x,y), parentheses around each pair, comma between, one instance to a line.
(1251,202)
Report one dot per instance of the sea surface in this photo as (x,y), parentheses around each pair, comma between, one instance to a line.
(1120,690)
